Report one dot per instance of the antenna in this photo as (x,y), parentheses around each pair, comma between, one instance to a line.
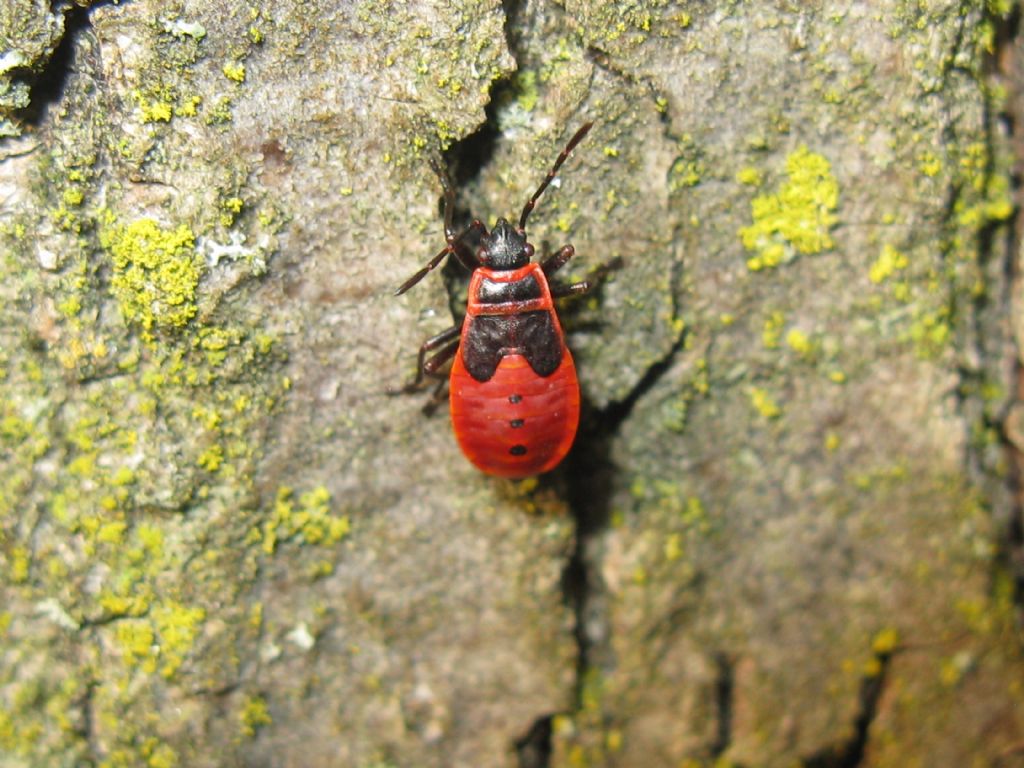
(553,172)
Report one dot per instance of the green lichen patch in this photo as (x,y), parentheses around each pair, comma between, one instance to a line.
(29,34)
(689,166)
(161,87)
(796,219)
(156,272)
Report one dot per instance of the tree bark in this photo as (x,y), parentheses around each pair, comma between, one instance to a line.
(790,530)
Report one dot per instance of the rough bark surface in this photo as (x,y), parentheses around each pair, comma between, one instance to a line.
(790,532)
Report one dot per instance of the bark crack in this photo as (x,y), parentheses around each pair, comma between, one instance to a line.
(587,475)
(49,84)
(533,750)
(724,700)
(997,312)
(852,752)
(1008,66)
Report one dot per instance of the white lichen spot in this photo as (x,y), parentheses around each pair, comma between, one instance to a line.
(181,28)
(233,250)
(329,390)
(47,258)
(301,637)
(51,609)
(12,60)
(269,652)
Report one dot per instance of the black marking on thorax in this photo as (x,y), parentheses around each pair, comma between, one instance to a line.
(534,335)
(495,292)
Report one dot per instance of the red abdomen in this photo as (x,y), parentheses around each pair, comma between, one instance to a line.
(516,423)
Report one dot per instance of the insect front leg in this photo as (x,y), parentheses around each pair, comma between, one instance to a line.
(557,260)
(560,290)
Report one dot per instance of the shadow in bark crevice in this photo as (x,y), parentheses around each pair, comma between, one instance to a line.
(851,753)
(48,85)
(998,245)
(589,475)
(533,750)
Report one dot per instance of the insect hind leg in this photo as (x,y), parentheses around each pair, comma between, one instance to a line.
(446,343)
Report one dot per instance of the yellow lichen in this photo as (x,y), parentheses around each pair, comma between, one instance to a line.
(799,342)
(254,715)
(234,70)
(673,547)
(885,640)
(797,218)
(177,626)
(310,519)
(18,566)
(749,176)
(135,637)
(156,111)
(212,458)
(771,333)
(155,272)
(189,107)
(889,262)
(929,163)
(685,172)
(73,196)
(764,404)
(234,204)
(832,441)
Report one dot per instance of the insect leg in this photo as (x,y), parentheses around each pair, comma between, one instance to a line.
(443,356)
(465,252)
(424,367)
(454,240)
(438,395)
(559,290)
(557,260)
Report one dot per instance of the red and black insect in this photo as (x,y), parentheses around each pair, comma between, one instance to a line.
(513,392)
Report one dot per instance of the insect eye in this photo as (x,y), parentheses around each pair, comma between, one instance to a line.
(529,251)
